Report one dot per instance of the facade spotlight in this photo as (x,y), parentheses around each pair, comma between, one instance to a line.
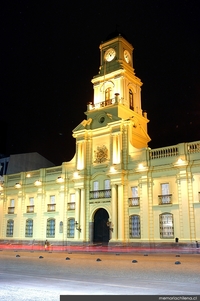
(38,183)
(18,185)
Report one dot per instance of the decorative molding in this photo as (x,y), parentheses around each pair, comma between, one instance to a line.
(101,154)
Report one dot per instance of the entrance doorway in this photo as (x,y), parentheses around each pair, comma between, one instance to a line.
(101,230)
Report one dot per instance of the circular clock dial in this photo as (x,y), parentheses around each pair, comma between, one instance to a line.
(127,56)
(110,54)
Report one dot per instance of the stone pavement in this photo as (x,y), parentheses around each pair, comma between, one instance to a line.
(39,275)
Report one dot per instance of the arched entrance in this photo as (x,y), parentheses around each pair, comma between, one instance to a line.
(101,230)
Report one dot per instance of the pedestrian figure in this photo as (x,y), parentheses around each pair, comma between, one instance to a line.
(197,244)
(46,244)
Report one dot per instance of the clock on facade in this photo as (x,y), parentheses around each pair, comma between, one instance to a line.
(110,54)
(127,56)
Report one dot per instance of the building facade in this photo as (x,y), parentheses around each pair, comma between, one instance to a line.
(116,190)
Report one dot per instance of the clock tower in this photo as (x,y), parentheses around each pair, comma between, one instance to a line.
(116,105)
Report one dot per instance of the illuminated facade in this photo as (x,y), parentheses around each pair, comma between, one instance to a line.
(116,189)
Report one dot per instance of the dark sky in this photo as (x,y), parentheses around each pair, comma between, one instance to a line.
(50,52)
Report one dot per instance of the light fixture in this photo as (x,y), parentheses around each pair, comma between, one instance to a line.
(76,174)
(109,224)
(180,162)
(1,187)
(38,183)
(112,168)
(59,180)
(18,185)
(141,167)
(77,226)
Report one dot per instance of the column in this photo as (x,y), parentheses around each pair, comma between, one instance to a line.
(77,212)
(120,213)
(114,212)
(83,225)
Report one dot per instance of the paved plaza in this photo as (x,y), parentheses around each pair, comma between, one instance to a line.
(39,275)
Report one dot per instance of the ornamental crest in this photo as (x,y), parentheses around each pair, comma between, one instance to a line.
(101,154)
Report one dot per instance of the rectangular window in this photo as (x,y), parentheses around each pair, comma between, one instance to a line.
(31,201)
(72,198)
(165,188)
(71,204)
(52,199)
(165,197)
(134,191)
(30,207)
(107,184)
(11,209)
(96,185)
(52,205)
(12,203)
(134,200)
(96,188)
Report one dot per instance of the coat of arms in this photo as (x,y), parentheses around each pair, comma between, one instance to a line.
(101,154)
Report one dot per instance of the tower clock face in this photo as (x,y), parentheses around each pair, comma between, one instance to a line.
(110,54)
(127,56)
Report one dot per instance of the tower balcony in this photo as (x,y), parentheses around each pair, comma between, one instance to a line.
(107,102)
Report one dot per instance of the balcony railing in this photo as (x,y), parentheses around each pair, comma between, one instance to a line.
(134,201)
(165,199)
(30,209)
(51,207)
(100,194)
(105,103)
(164,152)
(193,147)
(71,206)
(11,210)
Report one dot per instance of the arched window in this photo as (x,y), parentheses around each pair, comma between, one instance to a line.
(131,99)
(108,96)
(70,227)
(166,225)
(29,228)
(134,226)
(51,227)
(10,228)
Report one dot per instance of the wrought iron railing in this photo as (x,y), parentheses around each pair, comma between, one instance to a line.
(165,199)
(100,194)
(193,147)
(30,209)
(11,210)
(51,207)
(134,201)
(71,206)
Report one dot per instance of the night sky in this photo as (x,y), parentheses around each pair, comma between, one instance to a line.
(50,53)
